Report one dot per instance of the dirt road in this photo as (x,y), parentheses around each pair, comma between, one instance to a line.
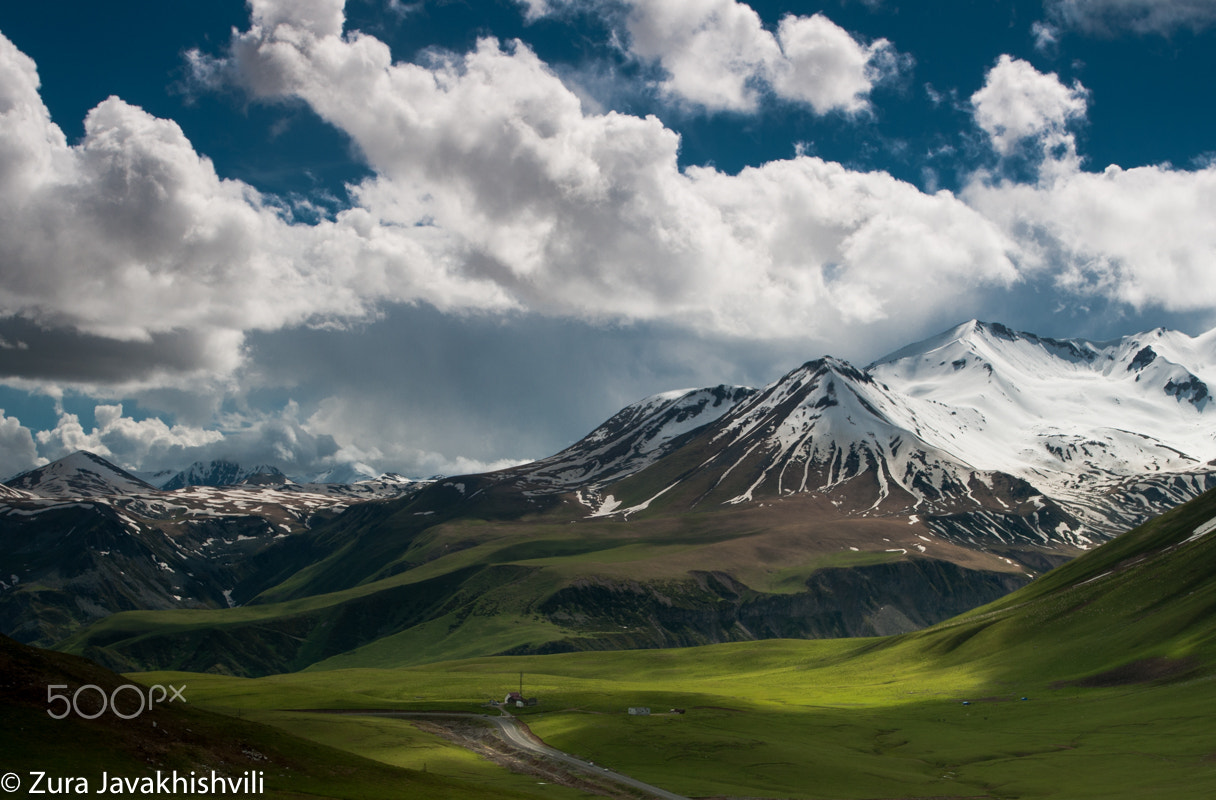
(514,733)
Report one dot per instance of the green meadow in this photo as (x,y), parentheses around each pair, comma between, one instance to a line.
(776,719)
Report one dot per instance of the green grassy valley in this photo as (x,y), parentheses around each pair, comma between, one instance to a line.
(1114,653)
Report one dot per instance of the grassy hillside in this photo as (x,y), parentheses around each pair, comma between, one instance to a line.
(1095,681)
(187,738)
(420,587)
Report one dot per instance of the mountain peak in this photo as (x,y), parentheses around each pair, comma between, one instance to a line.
(824,365)
(987,341)
(79,474)
(221,472)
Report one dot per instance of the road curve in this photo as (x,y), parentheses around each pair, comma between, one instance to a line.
(513,732)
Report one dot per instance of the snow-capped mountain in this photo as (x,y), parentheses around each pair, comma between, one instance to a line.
(977,431)
(80,474)
(220,472)
(1087,422)
(1033,394)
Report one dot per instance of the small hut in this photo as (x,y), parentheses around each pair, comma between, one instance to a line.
(517,699)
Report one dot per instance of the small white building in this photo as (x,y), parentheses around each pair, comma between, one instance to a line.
(639,711)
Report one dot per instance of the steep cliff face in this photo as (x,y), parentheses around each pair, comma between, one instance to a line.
(874,600)
(498,610)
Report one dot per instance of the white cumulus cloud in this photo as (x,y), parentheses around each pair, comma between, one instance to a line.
(493,189)
(825,67)
(279,439)
(718,55)
(130,235)
(1142,236)
(1017,102)
(138,444)
(18,452)
(589,215)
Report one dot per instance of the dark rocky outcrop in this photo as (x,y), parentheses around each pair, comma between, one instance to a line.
(874,600)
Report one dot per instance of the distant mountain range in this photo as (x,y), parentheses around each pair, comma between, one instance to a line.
(219,472)
(222,473)
(835,501)
(81,538)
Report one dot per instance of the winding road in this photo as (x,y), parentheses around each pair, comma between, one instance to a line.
(513,732)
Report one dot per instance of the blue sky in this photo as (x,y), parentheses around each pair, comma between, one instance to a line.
(447,236)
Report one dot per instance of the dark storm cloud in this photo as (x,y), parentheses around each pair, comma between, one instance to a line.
(33,352)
